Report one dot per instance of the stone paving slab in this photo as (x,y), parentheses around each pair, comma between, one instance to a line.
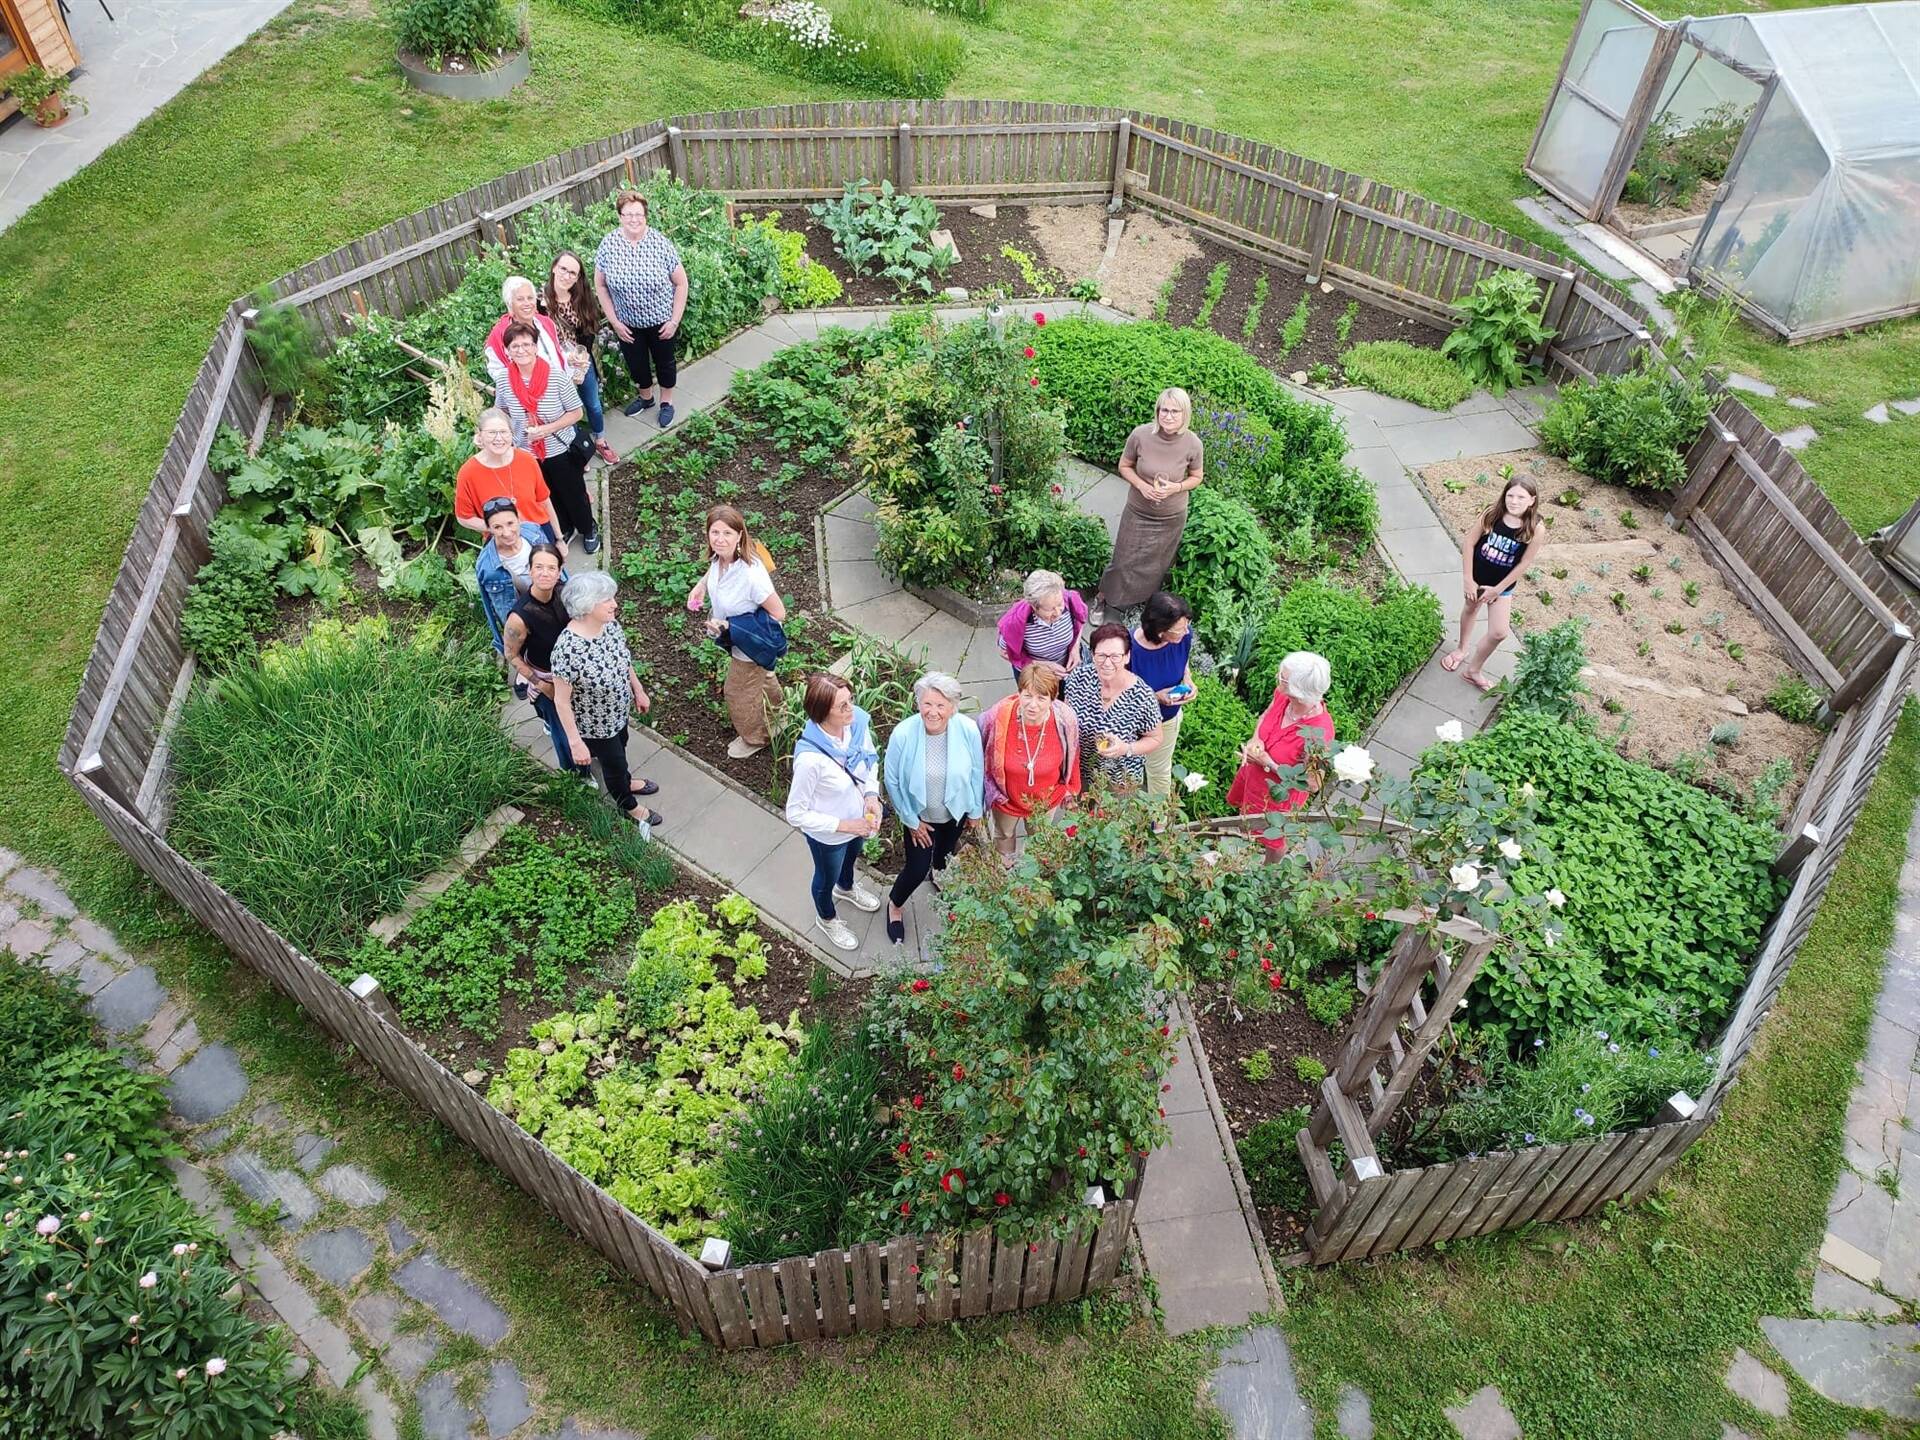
(939,642)
(406,1352)
(1484,1416)
(442,1416)
(851,582)
(268,1185)
(310,1151)
(1847,1297)
(208,1085)
(1212,1261)
(339,1256)
(28,883)
(1756,1384)
(1870,1367)
(888,618)
(1253,1385)
(1190,1187)
(128,1002)
(459,1303)
(1405,508)
(1354,1416)
(352,1186)
(1422,550)
(504,1407)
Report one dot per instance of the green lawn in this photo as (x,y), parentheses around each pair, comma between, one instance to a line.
(303,139)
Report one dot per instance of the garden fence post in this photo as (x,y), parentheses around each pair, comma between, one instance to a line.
(1559,301)
(903,159)
(1322,235)
(1867,674)
(1794,853)
(1122,145)
(676,154)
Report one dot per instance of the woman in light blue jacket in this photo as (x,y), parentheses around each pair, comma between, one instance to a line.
(936,777)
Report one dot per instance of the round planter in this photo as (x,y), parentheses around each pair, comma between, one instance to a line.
(52,111)
(494,84)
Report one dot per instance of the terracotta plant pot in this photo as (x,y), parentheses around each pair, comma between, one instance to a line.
(52,111)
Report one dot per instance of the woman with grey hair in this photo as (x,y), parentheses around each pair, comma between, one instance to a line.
(1044,626)
(522,303)
(1298,714)
(935,775)
(1162,462)
(595,687)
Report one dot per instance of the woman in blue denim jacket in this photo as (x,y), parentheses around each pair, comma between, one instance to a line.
(501,567)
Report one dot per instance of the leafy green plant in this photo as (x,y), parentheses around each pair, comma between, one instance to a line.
(1250,322)
(1270,1159)
(1163,297)
(1500,325)
(1331,1001)
(804,283)
(884,233)
(1223,550)
(1792,698)
(1308,1070)
(1210,297)
(1632,428)
(40,1015)
(1037,279)
(1727,732)
(1407,372)
(442,30)
(1210,745)
(1370,644)
(1257,1067)
(231,599)
(1547,675)
(1673,159)
(284,346)
(1343,327)
(1763,804)
(363,754)
(34,85)
(1294,329)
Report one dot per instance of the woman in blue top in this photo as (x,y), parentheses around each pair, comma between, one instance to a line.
(500,568)
(1162,646)
(936,775)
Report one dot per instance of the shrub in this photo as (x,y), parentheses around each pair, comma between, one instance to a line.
(40,1015)
(1792,698)
(361,754)
(444,29)
(1571,1085)
(1666,890)
(284,346)
(805,1165)
(886,234)
(86,1099)
(1050,535)
(1672,161)
(1500,326)
(1630,429)
(1407,372)
(1270,1159)
(1547,677)
(1371,645)
(1308,1070)
(1213,728)
(1224,550)
(1109,375)
(804,283)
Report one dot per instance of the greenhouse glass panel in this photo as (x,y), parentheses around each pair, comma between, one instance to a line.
(1604,66)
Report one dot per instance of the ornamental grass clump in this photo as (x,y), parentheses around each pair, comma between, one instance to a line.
(363,754)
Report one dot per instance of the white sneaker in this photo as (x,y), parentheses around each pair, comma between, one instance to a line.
(837,932)
(738,749)
(859,897)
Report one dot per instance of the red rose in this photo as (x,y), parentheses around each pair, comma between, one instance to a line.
(995,489)
(905,1146)
(1000,1197)
(1163,1030)
(1233,954)
(952,1178)
(1275,981)
(1266,965)
(905,1208)
(918,1101)
(1072,830)
(911,1269)
(1034,381)
(926,1154)
(959,1072)
(1165,1088)
(1059,490)
(1083,1152)
(1039,317)
(1371,915)
(1163,1112)
(1028,352)
(922,984)
(1205,923)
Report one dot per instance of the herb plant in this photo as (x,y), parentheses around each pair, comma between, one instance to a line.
(1407,372)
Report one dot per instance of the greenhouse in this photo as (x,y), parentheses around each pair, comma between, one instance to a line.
(1771,157)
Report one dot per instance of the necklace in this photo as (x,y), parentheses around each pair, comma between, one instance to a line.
(1026,744)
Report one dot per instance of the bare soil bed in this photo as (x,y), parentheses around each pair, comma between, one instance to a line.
(1671,649)
(978,240)
(1073,240)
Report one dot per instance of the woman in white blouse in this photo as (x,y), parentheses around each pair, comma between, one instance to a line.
(834,800)
(736,584)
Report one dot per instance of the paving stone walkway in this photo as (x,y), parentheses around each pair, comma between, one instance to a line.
(328,1248)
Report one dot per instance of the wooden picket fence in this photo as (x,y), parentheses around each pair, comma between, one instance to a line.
(1387,246)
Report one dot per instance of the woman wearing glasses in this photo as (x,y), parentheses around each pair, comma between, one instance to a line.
(1119,716)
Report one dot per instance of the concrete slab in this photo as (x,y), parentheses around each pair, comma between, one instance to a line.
(853,582)
(1254,1387)
(1218,1274)
(1198,1184)
(888,618)
(1105,501)
(1495,433)
(939,642)
(1869,1367)
(1404,506)
(730,833)
(857,506)
(1485,1416)
(1422,550)
(1383,410)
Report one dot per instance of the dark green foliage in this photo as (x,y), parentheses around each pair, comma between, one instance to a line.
(1371,645)
(1547,677)
(1792,698)
(231,600)
(806,1164)
(1573,1085)
(886,233)
(1294,329)
(445,29)
(40,1015)
(1673,161)
(1210,296)
(1631,429)
(85,1099)
(1213,728)
(1667,889)
(284,346)
(1223,550)
(1039,535)
(1499,328)
(1407,372)
(360,755)
(1270,1158)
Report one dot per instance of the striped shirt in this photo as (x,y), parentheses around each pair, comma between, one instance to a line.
(1049,639)
(559,398)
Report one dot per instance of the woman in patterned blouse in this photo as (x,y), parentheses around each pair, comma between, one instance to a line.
(643,289)
(595,688)
(1119,717)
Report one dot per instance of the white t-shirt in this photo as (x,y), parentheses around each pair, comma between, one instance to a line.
(743,587)
(517,565)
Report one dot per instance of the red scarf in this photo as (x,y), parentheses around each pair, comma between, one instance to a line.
(529,393)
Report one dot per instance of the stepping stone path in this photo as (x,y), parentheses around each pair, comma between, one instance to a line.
(337,1221)
(1798,438)
(1354,1415)
(1752,386)
(1878,414)
(1757,1385)
(1485,1416)
(1853,1362)
(1254,1386)
(1800,402)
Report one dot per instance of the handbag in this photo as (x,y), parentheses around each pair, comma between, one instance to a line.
(580,447)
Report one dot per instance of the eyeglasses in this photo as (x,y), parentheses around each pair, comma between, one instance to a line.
(1117,659)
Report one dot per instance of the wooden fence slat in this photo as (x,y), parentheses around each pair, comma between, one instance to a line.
(830,1271)
(796,1297)
(976,1256)
(1038,1289)
(763,1300)
(730,1308)
(1009,1263)
(937,1280)
(903,1282)
(869,1297)
(1069,1281)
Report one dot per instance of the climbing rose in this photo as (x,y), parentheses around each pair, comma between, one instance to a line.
(952,1179)
(918,1101)
(1556,897)
(1028,352)
(921,984)
(959,1072)
(1353,765)
(1465,877)
(1450,732)
(1510,848)
(905,1208)
(1194,783)
(1040,317)
(905,1146)
(1000,1197)
(1072,830)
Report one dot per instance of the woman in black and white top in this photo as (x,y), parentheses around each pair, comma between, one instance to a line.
(1503,545)
(544,409)
(595,688)
(643,289)
(1119,716)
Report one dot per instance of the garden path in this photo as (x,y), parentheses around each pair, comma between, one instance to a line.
(349,1268)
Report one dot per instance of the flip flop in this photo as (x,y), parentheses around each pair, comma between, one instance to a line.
(1453,660)
(1479,682)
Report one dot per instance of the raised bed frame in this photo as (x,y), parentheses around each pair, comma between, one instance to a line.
(1759,514)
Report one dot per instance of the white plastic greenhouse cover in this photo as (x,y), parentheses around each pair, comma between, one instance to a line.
(1820,224)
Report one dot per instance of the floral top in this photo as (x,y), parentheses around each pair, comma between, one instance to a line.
(597,669)
(1133,715)
(639,277)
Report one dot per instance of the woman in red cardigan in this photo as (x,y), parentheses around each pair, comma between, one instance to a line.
(1298,713)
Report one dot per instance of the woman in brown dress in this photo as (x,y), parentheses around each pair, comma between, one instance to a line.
(1161,463)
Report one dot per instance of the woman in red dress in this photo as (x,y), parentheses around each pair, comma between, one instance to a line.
(1298,712)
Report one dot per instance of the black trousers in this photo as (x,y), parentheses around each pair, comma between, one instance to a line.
(566,478)
(646,353)
(611,752)
(923,860)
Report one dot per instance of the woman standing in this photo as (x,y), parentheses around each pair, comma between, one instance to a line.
(1119,718)
(574,309)
(1030,749)
(737,584)
(1162,462)
(1503,545)
(498,467)
(834,800)
(544,409)
(1298,713)
(934,776)
(523,305)
(595,687)
(534,623)
(643,290)
(1162,644)
(503,568)
(1044,626)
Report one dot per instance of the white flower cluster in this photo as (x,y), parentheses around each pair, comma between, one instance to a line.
(810,26)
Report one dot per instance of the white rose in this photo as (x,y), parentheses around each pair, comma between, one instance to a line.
(1510,848)
(1450,732)
(216,1366)
(1211,857)
(1556,897)
(1194,782)
(1465,877)
(1353,765)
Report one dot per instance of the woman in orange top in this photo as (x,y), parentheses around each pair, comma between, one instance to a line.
(1298,712)
(500,469)
(1031,754)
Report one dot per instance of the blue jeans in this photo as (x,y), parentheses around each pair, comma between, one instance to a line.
(832,865)
(590,401)
(544,707)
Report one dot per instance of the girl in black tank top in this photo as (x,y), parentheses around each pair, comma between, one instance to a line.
(1492,561)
